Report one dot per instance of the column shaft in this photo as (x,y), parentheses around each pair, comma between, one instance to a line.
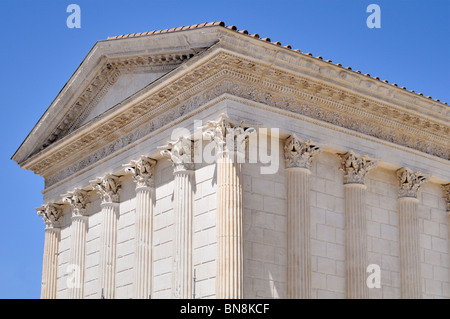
(298,234)
(78,256)
(144,230)
(411,287)
(229,283)
(108,249)
(356,241)
(183,235)
(50,264)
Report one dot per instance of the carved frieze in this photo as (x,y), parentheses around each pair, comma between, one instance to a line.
(410,182)
(355,167)
(299,153)
(142,171)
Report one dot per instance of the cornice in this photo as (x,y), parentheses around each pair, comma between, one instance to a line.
(296,61)
(220,72)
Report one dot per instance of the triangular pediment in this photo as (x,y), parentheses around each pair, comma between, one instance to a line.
(124,86)
(111,72)
(130,82)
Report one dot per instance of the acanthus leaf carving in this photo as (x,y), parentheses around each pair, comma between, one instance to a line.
(51,214)
(108,187)
(180,153)
(410,182)
(299,153)
(230,136)
(78,200)
(142,171)
(446,189)
(355,167)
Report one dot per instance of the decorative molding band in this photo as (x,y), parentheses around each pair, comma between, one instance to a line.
(410,182)
(298,153)
(355,167)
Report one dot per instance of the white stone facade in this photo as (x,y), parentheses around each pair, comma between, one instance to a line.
(242,231)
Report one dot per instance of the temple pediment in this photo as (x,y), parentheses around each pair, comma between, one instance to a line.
(135,92)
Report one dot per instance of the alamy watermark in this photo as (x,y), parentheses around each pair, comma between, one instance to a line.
(374,279)
(374,19)
(74,19)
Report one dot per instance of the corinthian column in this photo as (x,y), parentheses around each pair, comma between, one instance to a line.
(109,187)
(180,154)
(230,138)
(77,201)
(411,282)
(446,190)
(355,168)
(298,156)
(142,171)
(51,214)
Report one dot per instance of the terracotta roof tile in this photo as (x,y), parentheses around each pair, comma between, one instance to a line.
(256,36)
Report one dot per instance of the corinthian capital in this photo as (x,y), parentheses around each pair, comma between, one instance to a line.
(78,200)
(355,167)
(409,182)
(229,135)
(180,153)
(298,153)
(109,187)
(142,171)
(51,214)
(446,189)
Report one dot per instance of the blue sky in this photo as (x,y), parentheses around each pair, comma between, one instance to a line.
(39,53)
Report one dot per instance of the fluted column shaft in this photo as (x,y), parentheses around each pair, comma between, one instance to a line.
(355,168)
(144,230)
(78,256)
(356,240)
(410,276)
(110,213)
(142,172)
(183,197)
(411,287)
(230,138)
(229,282)
(50,264)
(298,234)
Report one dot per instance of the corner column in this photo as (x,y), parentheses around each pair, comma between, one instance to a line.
(78,202)
(355,168)
(180,154)
(410,276)
(298,156)
(51,214)
(109,187)
(446,190)
(230,138)
(142,171)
